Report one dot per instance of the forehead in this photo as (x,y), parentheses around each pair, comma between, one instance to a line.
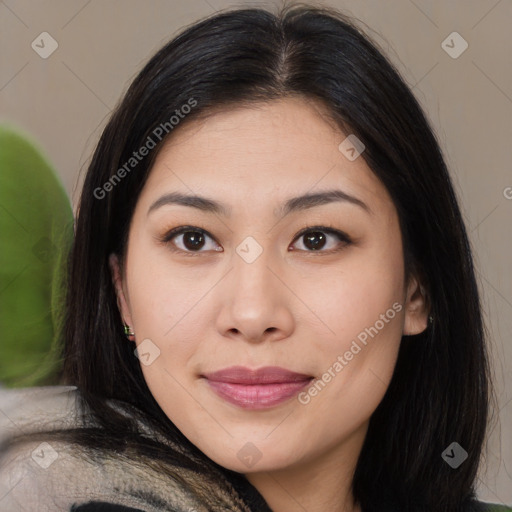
(274,149)
(265,130)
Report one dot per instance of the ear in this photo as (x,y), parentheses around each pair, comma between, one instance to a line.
(416,308)
(117,280)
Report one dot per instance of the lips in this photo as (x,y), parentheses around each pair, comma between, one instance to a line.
(266,375)
(256,389)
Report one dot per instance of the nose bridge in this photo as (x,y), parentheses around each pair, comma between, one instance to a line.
(251,272)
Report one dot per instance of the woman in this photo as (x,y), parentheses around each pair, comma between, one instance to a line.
(272,302)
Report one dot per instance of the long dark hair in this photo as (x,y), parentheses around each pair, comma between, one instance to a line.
(439,392)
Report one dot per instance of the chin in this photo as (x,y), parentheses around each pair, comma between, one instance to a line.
(255,457)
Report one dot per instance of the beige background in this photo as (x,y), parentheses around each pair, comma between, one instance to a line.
(64,100)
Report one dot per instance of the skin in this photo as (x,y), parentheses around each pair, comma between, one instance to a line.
(292,307)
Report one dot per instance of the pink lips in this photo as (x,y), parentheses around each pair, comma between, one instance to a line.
(256,389)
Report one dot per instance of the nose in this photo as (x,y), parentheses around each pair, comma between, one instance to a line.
(255,301)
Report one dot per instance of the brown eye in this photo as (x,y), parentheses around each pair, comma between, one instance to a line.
(316,239)
(189,239)
(193,240)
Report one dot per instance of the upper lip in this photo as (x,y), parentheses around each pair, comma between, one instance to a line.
(265,375)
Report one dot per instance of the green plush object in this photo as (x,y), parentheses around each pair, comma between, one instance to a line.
(36,231)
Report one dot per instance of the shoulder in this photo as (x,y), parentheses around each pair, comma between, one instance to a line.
(28,464)
(45,473)
(36,409)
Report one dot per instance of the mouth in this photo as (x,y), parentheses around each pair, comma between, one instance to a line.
(256,389)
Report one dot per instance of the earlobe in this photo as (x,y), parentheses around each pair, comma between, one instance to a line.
(117,280)
(416,309)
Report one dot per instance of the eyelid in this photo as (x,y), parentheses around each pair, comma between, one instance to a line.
(325,229)
(183,229)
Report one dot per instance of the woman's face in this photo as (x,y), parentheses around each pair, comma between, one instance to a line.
(244,288)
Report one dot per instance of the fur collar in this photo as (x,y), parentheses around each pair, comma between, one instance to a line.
(49,475)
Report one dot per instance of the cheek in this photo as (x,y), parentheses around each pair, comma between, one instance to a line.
(167,320)
(362,310)
(163,295)
(356,295)
(356,364)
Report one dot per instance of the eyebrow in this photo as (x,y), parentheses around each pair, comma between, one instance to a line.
(294,204)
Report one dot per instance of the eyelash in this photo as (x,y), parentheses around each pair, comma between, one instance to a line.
(343,237)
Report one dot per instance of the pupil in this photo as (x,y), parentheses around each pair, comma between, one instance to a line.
(311,243)
(196,239)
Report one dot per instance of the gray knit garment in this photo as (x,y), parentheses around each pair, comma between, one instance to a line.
(53,476)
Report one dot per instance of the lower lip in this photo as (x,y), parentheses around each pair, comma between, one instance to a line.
(257,396)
